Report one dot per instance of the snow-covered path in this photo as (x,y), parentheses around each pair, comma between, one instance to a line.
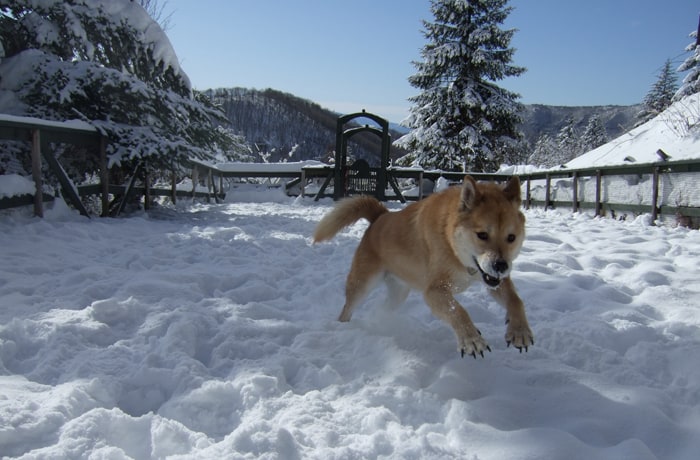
(211,332)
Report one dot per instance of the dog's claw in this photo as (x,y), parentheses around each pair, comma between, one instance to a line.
(520,337)
(508,344)
(473,344)
(475,352)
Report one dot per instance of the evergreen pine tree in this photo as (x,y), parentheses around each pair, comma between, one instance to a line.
(568,144)
(108,63)
(660,96)
(594,135)
(544,153)
(461,117)
(691,82)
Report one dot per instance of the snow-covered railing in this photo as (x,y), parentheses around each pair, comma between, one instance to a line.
(298,171)
(659,189)
(40,133)
(662,189)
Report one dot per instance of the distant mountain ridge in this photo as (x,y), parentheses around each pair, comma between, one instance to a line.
(282,127)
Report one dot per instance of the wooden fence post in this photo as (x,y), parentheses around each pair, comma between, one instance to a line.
(655,194)
(173,187)
(547,193)
(36,173)
(598,201)
(195,179)
(146,190)
(221,185)
(210,184)
(528,194)
(104,177)
(213,186)
(575,193)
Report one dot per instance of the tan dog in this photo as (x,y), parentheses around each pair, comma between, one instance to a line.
(439,246)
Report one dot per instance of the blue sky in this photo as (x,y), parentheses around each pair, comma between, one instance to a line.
(350,55)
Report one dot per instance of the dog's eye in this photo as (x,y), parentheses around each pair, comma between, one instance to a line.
(482,236)
(511,238)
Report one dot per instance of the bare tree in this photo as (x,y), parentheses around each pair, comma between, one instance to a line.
(157,10)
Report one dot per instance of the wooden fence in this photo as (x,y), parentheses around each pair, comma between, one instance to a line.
(660,189)
(41,135)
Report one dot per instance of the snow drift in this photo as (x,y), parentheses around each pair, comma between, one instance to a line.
(210,332)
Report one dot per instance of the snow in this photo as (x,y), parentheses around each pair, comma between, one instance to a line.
(14,184)
(151,33)
(41,123)
(674,131)
(287,167)
(209,331)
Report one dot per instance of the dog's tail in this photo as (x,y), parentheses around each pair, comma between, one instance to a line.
(347,212)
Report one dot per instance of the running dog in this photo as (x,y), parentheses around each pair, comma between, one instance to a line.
(440,246)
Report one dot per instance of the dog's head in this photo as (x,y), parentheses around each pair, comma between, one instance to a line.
(490,228)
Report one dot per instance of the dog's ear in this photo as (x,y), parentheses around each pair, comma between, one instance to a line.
(470,194)
(512,190)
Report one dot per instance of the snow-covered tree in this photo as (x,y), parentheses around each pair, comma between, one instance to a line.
(568,143)
(544,153)
(594,135)
(108,63)
(461,117)
(660,96)
(691,82)
(157,10)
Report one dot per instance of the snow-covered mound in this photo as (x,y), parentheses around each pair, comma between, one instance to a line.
(675,131)
(211,332)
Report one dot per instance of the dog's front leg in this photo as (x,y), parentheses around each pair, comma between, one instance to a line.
(443,305)
(518,332)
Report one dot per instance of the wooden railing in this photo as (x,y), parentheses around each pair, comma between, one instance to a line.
(660,189)
(645,182)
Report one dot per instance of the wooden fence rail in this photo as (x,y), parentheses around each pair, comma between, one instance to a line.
(651,204)
(543,188)
(546,180)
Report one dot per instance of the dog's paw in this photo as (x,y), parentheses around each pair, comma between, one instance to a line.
(519,335)
(473,345)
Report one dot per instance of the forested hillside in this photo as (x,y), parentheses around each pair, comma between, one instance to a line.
(282,127)
(541,119)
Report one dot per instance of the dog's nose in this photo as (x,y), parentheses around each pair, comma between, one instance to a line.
(500,266)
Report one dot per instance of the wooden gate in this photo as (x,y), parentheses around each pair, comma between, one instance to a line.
(360,177)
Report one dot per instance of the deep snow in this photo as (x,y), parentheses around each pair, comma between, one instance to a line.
(209,331)
(674,131)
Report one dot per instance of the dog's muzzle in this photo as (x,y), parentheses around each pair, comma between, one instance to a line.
(490,281)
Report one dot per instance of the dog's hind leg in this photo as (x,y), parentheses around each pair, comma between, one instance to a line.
(397,291)
(364,275)
(357,287)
